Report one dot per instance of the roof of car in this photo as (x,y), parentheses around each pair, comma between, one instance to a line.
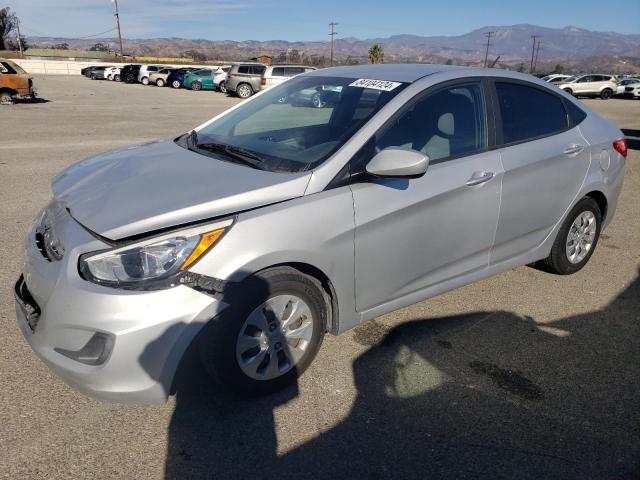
(390,71)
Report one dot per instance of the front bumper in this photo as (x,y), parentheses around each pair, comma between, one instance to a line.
(149,331)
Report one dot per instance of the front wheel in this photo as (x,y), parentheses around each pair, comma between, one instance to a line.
(6,98)
(568,90)
(269,334)
(222,87)
(116,78)
(109,77)
(145,81)
(176,84)
(244,90)
(606,94)
(317,101)
(576,240)
(160,82)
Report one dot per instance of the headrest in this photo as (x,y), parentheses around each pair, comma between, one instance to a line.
(446,124)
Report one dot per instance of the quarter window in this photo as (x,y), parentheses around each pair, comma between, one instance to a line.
(528,112)
(447,123)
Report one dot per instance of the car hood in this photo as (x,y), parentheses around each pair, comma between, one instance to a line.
(142,188)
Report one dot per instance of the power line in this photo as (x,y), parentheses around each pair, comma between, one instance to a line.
(332,35)
(533,51)
(486,53)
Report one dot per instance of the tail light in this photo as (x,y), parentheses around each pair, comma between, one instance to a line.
(620,146)
(263,81)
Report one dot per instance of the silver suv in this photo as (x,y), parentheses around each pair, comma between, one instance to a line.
(603,86)
(256,233)
(243,79)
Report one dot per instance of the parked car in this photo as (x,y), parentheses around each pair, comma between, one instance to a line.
(632,90)
(146,70)
(86,69)
(199,79)
(555,78)
(112,73)
(176,77)
(622,84)
(129,73)
(603,86)
(257,232)
(276,74)
(159,78)
(220,77)
(244,79)
(97,73)
(15,83)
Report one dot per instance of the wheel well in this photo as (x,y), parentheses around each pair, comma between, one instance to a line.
(8,90)
(601,200)
(327,286)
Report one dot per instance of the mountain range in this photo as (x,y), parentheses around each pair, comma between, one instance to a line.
(513,43)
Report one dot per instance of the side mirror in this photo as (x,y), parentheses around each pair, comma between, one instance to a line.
(398,162)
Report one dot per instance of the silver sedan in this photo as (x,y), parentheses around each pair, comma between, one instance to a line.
(253,235)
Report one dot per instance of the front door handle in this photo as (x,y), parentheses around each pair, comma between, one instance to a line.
(573,149)
(479,178)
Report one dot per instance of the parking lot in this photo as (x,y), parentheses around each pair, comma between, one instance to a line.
(524,375)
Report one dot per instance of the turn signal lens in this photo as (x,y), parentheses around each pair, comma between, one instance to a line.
(621,147)
(206,241)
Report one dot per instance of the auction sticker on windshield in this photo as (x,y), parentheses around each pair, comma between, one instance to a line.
(375,84)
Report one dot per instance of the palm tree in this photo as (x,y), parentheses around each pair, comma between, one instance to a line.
(376,53)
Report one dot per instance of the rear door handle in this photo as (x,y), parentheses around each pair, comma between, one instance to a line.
(479,178)
(573,149)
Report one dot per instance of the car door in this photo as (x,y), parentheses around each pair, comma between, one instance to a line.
(584,84)
(414,233)
(545,162)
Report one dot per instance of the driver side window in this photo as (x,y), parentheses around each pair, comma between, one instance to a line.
(447,123)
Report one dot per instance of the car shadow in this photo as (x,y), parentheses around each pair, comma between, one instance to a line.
(633,138)
(30,101)
(481,395)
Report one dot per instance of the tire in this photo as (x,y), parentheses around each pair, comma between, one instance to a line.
(116,78)
(110,77)
(222,87)
(176,84)
(244,90)
(606,94)
(145,81)
(129,78)
(222,350)
(196,86)
(93,76)
(316,100)
(160,82)
(559,261)
(568,90)
(6,98)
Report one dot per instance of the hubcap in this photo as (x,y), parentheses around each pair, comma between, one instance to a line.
(581,236)
(244,91)
(274,337)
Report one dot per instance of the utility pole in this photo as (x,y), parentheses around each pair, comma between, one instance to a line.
(19,38)
(533,51)
(332,35)
(117,15)
(535,62)
(486,53)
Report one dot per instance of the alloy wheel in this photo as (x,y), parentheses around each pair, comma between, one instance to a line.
(244,91)
(581,237)
(274,337)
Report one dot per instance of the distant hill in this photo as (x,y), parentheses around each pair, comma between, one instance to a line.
(571,45)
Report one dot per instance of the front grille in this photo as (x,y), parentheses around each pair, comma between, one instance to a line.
(27,303)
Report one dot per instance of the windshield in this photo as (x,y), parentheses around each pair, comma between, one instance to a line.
(298,124)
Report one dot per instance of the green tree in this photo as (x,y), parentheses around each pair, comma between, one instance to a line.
(99,47)
(8,22)
(376,53)
(449,62)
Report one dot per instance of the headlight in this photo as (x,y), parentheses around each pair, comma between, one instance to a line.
(154,263)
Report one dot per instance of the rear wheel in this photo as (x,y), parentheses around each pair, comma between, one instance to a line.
(109,77)
(160,82)
(576,240)
(116,77)
(6,98)
(222,87)
(176,84)
(145,80)
(269,334)
(196,86)
(93,76)
(244,90)
(568,90)
(606,94)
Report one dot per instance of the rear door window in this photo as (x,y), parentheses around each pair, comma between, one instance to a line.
(528,112)
(244,69)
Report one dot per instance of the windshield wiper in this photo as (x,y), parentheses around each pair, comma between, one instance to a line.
(237,153)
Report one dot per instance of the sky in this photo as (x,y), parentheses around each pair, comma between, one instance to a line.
(306,20)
